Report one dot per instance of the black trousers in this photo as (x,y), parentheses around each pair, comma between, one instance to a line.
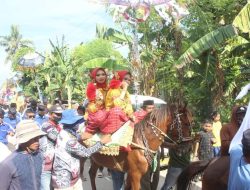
(146,183)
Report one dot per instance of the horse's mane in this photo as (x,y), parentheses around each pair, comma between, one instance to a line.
(158,117)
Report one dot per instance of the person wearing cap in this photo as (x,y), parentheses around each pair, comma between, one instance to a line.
(239,174)
(12,119)
(146,182)
(23,168)
(41,118)
(30,114)
(31,105)
(118,177)
(147,107)
(68,151)
(18,114)
(47,144)
(230,129)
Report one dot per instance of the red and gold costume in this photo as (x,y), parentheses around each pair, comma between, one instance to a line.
(96,93)
(120,110)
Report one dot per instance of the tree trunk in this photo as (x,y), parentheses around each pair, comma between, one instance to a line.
(69,93)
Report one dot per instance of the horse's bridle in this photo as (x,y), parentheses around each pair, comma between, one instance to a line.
(154,128)
(159,133)
(177,122)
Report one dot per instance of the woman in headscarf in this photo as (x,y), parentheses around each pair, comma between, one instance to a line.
(96,93)
(118,102)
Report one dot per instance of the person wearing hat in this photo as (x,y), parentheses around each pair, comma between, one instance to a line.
(230,129)
(147,107)
(118,177)
(239,174)
(12,119)
(41,117)
(68,151)
(146,182)
(23,168)
(47,144)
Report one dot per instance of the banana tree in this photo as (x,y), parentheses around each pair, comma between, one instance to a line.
(218,58)
(241,24)
(59,71)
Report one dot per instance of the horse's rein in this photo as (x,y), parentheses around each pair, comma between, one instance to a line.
(161,132)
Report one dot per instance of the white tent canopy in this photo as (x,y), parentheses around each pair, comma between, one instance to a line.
(138,99)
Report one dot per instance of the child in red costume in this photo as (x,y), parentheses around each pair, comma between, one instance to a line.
(118,102)
(96,93)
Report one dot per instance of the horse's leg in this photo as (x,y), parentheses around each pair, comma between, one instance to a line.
(92,173)
(133,180)
(138,166)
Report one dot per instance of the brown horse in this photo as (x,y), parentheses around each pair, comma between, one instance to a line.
(215,174)
(149,134)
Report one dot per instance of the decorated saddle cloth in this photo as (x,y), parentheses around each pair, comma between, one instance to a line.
(122,137)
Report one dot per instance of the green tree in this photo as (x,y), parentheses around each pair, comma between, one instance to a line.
(13,42)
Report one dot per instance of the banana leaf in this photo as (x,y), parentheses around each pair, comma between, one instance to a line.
(241,23)
(107,63)
(242,20)
(112,34)
(206,42)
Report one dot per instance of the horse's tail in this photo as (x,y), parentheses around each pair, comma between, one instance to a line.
(188,173)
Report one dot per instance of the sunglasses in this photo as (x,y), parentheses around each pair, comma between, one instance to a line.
(31,116)
(58,114)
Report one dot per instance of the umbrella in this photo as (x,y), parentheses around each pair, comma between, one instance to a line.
(31,60)
(138,99)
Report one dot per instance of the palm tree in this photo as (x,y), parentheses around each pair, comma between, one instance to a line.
(13,42)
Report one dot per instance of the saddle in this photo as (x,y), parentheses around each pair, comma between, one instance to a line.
(121,138)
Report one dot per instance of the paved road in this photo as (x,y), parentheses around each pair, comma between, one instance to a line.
(105,183)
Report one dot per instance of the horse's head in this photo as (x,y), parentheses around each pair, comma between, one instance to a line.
(179,131)
(169,123)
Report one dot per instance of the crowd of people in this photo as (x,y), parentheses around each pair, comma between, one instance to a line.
(46,140)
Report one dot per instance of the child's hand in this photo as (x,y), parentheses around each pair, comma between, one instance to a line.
(132,118)
(124,85)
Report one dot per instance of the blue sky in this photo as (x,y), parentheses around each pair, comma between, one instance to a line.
(41,20)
